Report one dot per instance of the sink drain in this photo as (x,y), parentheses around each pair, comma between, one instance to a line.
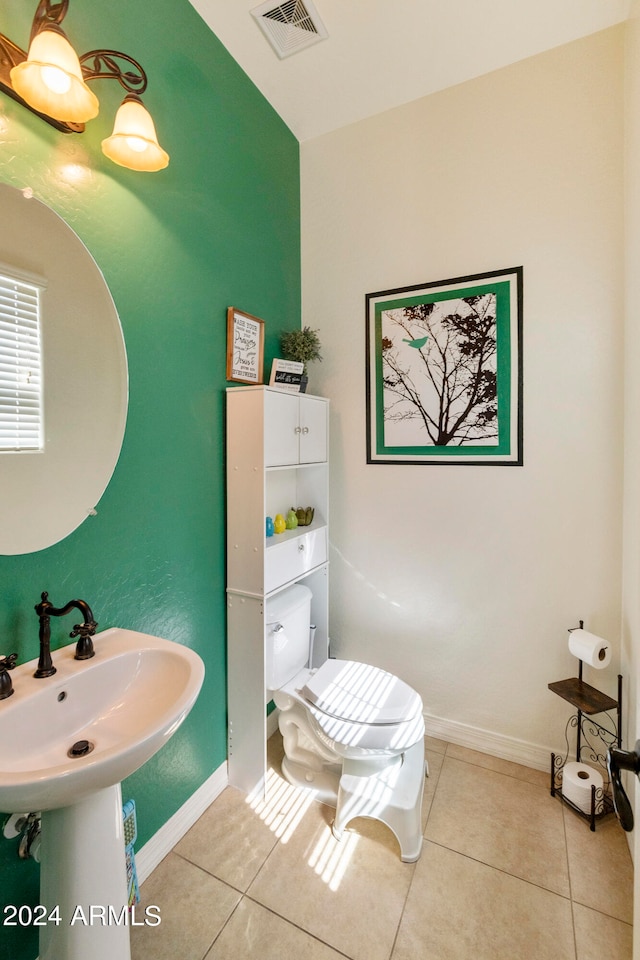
(80,748)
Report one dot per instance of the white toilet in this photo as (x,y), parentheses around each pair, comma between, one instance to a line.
(351,732)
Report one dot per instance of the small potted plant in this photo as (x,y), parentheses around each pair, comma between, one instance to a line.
(303,346)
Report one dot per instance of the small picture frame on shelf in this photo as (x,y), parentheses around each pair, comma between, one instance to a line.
(245,347)
(286,375)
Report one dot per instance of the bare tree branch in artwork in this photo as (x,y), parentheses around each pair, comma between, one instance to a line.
(439,369)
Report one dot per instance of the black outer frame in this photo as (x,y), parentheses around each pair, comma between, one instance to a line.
(519,462)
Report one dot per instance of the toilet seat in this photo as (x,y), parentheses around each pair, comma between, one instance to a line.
(359,709)
(349,690)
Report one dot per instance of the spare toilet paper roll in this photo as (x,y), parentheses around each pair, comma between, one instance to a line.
(591,649)
(577,780)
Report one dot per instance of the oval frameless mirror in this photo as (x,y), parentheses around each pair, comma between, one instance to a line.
(45,495)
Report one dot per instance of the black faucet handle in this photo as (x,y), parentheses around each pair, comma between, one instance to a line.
(84,629)
(6,687)
(618,760)
(84,646)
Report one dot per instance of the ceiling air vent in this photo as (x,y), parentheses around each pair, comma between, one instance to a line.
(290,26)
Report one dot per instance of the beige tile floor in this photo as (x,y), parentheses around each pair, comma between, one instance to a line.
(507,873)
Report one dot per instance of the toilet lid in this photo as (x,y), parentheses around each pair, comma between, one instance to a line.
(360,693)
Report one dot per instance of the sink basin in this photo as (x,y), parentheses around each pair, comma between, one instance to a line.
(126,702)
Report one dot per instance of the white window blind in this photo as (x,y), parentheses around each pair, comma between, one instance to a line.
(20,364)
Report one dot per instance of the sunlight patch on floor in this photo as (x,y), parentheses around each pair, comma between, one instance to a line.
(330,857)
(283,806)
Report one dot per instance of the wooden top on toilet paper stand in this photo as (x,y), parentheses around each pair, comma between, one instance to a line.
(583,696)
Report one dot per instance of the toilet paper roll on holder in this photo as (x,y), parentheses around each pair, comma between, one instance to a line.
(588,700)
(589,648)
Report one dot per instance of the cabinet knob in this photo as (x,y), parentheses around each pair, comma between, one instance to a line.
(305,431)
(301,547)
(297,430)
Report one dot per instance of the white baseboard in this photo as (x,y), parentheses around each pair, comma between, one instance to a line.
(165,839)
(495,744)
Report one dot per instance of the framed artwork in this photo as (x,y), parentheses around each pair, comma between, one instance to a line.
(245,347)
(444,371)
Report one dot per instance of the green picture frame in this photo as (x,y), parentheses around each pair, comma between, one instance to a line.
(444,373)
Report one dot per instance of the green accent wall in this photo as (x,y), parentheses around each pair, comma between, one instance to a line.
(220,226)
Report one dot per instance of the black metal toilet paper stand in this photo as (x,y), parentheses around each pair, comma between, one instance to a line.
(593,739)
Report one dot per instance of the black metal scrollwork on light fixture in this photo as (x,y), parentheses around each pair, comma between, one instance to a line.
(51,81)
(103,63)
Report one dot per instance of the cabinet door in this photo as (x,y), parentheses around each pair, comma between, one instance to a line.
(313,430)
(281,429)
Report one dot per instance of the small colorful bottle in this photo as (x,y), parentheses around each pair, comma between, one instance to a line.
(292,520)
(269,526)
(279,524)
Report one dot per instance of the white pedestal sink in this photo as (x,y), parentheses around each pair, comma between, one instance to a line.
(125,702)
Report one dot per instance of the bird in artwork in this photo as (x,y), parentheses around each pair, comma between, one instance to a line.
(418,344)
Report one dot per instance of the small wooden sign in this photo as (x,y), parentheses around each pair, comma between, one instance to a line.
(286,375)
(245,347)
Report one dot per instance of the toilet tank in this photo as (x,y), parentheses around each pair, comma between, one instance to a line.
(288,618)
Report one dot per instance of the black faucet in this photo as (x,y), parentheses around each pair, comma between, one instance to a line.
(85,631)
(6,663)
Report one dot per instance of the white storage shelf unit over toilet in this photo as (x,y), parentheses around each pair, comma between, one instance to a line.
(277,446)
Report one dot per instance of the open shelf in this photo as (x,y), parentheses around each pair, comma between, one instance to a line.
(279,538)
(583,696)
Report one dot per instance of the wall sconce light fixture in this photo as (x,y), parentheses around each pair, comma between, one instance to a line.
(51,81)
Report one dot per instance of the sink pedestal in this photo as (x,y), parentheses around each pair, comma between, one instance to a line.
(83,875)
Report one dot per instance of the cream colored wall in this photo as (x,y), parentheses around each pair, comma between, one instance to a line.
(631,542)
(464,579)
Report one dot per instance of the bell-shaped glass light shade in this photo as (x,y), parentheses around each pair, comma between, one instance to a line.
(134,143)
(50,79)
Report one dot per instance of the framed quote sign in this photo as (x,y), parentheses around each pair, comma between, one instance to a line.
(245,347)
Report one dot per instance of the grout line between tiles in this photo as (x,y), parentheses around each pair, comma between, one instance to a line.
(261,868)
(433,799)
(298,927)
(566,854)
(404,905)
(491,866)
(208,872)
(223,927)
(601,913)
(501,773)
